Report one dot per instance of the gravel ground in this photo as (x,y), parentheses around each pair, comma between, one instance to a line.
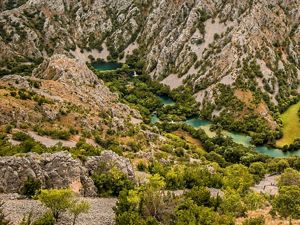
(100,213)
(268,185)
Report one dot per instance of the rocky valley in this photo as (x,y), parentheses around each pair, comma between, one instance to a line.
(147,112)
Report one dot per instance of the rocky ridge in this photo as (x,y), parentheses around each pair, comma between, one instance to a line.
(58,170)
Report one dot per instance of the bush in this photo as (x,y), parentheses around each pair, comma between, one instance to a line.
(110,183)
(20,136)
(58,201)
(31,187)
(54,133)
(46,219)
(142,166)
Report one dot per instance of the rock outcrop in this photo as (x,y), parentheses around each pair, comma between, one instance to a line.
(58,170)
(74,97)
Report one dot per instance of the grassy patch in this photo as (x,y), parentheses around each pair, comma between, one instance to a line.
(291,126)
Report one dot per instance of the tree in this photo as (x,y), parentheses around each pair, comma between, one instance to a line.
(278,166)
(111,182)
(78,208)
(57,200)
(289,177)
(232,204)
(287,202)
(237,177)
(200,195)
(188,213)
(253,200)
(258,169)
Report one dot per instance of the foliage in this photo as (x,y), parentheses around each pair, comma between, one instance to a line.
(190,213)
(238,177)
(54,133)
(57,200)
(200,196)
(20,136)
(31,187)
(277,165)
(111,182)
(45,219)
(232,204)
(258,169)
(287,202)
(253,200)
(289,177)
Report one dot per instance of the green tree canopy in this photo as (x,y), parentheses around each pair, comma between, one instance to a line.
(57,200)
(238,177)
(287,202)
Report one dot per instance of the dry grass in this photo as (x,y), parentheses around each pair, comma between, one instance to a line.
(186,136)
(268,218)
(291,126)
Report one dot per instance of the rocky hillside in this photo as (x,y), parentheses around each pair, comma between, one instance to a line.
(64,94)
(251,47)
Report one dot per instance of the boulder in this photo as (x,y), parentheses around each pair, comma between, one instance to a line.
(58,170)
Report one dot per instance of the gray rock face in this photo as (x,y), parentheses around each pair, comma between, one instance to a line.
(58,170)
(112,159)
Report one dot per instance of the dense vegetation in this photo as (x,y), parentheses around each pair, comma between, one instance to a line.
(142,93)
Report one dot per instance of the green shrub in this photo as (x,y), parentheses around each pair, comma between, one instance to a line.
(54,133)
(110,183)
(141,166)
(57,200)
(46,219)
(20,136)
(31,187)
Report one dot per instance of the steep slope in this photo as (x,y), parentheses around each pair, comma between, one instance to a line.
(210,46)
(62,93)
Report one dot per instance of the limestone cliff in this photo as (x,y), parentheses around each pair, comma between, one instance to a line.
(58,170)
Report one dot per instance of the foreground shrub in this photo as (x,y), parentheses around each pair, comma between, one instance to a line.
(58,201)
(46,219)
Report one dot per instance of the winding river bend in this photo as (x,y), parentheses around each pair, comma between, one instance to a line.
(205,124)
(236,137)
